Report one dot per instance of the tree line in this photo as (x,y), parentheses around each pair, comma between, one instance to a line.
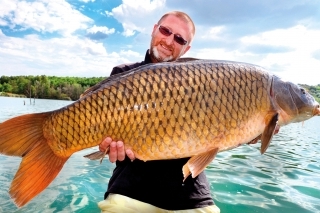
(47,87)
(68,88)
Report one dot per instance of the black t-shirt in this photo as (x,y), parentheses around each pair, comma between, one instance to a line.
(160,182)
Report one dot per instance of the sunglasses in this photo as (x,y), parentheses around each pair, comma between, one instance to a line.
(167,32)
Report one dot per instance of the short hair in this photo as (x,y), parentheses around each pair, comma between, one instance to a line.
(183,16)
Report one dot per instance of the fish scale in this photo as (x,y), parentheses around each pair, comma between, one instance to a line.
(171,110)
(176,105)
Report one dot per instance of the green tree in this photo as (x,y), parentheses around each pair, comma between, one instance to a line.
(51,87)
(7,87)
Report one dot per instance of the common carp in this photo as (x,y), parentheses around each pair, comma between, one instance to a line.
(193,108)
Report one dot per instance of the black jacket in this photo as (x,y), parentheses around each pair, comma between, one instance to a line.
(159,183)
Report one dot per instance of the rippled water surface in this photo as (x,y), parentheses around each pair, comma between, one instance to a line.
(285,179)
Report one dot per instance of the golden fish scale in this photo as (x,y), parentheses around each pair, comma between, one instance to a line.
(167,112)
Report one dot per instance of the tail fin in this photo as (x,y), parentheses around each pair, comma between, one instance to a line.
(23,136)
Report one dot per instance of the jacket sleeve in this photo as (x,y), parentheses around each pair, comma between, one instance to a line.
(125,67)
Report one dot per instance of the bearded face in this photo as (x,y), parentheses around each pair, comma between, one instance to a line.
(164,46)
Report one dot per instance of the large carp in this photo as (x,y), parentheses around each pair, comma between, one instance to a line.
(193,108)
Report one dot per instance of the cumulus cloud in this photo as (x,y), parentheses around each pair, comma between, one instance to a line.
(59,38)
(86,1)
(213,33)
(109,14)
(138,15)
(130,53)
(68,56)
(292,52)
(99,33)
(42,16)
(316,55)
(299,41)
(298,37)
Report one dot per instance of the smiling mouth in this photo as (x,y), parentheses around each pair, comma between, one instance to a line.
(165,47)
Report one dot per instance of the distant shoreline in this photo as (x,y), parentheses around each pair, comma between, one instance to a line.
(12,95)
(6,94)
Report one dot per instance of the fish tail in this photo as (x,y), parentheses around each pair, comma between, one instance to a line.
(23,136)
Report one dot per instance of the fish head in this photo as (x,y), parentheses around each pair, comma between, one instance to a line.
(294,102)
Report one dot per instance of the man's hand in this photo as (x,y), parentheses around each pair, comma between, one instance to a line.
(116,150)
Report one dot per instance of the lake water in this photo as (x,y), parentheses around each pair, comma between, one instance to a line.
(285,179)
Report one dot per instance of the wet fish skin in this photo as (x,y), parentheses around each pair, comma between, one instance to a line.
(161,111)
(152,110)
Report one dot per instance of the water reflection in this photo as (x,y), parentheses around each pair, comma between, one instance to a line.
(79,186)
(285,179)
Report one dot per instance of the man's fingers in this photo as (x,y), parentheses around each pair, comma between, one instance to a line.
(120,149)
(113,153)
(104,144)
(116,150)
(130,154)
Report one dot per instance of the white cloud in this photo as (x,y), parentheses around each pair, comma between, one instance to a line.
(3,22)
(297,57)
(86,1)
(69,56)
(219,54)
(104,30)
(297,37)
(130,53)
(138,15)
(61,56)
(42,16)
(213,33)
(109,14)
(296,64)
(1,34)
(7,7)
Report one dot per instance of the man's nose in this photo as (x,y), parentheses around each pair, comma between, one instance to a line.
(169,39)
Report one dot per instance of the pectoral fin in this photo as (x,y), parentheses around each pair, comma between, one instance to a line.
(268,133)
(97,155)
(198,163)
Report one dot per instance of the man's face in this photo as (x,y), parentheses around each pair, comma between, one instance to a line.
(165,48)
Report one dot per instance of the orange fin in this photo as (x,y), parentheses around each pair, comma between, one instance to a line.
(198,163)
(268,133)
(19,134)
(37,170)
(23,136)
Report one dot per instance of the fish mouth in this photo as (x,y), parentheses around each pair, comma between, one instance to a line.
(316,110)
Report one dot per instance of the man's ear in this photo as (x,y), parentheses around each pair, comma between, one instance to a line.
(155,26)
(186,50)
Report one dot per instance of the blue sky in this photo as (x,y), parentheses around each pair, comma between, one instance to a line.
(89,37)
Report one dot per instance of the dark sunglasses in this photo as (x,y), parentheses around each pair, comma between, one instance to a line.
(167,32)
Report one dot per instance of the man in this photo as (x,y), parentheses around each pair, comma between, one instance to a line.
(156,186)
